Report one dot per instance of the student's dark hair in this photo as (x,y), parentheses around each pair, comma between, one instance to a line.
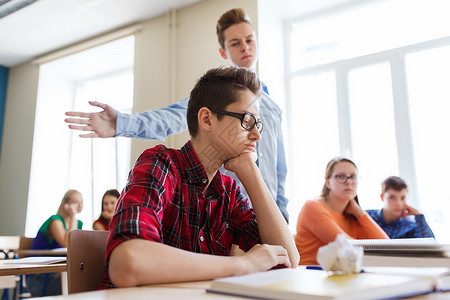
(112,192)
(329,171)
(231,17)
(393,182)
(218,88)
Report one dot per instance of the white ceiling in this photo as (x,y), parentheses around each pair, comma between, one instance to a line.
(48,25)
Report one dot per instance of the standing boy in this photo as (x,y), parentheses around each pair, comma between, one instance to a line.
(239,46)
(397,218)
(178,215)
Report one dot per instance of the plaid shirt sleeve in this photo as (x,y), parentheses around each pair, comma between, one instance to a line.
(140,207)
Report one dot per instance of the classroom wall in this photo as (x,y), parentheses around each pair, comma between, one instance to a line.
(195,47)
(3,82)
(160,79)
(17,145)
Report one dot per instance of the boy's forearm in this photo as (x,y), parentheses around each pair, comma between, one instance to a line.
(140,262)
(271,223)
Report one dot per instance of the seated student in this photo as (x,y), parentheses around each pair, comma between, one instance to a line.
(53,234)
(178,216)
(336,211)
(109,201)
(397,218)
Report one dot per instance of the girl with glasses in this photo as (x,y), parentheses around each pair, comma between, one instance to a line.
(335,211)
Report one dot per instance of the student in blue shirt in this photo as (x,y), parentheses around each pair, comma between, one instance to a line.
(238,45)
(397,218)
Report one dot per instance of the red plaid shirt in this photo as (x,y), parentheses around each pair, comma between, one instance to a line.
(164,202)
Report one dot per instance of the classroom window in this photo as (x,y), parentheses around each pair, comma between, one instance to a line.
(61,160)
(372,128)
(429,92)
(390,101)
(314,139)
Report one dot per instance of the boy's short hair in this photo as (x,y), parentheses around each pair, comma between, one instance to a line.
(231,17)
(218,88)
(393,182)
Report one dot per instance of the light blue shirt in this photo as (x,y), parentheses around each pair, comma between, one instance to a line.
(159,123)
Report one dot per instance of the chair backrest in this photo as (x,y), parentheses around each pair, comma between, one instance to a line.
(25,244)
(85,259)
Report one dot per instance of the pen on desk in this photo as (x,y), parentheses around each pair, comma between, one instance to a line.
(313,268)
(319,268)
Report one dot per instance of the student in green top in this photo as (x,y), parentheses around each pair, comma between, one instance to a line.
(53,234)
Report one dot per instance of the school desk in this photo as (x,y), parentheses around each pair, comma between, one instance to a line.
(7,269)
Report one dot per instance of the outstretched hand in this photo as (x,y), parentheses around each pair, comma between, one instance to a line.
(99,124)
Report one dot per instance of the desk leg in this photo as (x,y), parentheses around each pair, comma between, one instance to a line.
(64,289)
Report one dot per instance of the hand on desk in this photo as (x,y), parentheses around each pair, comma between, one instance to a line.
(264,257)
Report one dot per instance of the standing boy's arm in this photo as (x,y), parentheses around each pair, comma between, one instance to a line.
(272,227)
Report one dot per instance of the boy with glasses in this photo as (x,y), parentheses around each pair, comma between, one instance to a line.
(178,215)
(398,219)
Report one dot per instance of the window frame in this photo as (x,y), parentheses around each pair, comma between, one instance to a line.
(402,119)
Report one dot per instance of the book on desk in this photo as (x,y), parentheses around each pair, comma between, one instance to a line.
(301,283)
(420,252)
(403,247)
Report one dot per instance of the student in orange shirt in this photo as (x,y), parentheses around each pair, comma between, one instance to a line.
(335,211)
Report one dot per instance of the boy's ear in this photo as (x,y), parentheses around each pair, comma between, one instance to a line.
(382,197)
(204,118)
(223,53)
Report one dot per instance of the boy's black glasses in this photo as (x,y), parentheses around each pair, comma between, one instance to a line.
(248,121)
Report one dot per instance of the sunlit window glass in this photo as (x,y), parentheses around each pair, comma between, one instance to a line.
(367,28)
(429,93)
(315,137)
(373,129)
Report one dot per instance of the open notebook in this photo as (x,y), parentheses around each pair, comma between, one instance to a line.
(313,284)
(38,260)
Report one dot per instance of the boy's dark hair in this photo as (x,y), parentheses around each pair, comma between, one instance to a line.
(393,182)
(231,17)
(218,88)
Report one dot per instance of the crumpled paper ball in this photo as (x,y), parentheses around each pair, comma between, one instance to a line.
(341,256)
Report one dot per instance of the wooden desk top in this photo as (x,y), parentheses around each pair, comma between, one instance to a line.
(24,269)
(175,291)
(147,292)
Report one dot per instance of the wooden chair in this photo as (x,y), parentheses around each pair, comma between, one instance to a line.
(85,259)
(25,244)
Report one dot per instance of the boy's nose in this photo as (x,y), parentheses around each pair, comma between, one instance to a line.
(255,133)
